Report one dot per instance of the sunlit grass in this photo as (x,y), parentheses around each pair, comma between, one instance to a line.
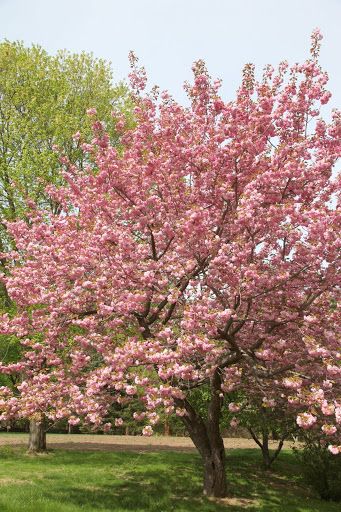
(70,481)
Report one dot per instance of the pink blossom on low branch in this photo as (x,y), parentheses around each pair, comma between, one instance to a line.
(139,416)
(335,450)
(306,420)
(147,431)
(327,409)
(329,429)
(233,407)
(73,420)
(268,402)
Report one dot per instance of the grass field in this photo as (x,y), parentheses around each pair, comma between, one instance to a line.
(72,481)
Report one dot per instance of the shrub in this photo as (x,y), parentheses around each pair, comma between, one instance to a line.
(321,469)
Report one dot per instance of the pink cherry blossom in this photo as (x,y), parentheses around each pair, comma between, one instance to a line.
(329,429)
(306,420)
(233,407)
(335,450)
(147,431)
(327,409)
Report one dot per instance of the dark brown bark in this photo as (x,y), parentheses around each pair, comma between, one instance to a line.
(207,438)
(268,458)
(167,429)
(37,436)
(215,474)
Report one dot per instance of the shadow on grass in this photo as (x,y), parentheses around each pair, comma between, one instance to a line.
(152,482)
(162,482)
(279,489)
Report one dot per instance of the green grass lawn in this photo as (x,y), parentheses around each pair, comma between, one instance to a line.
(70,481)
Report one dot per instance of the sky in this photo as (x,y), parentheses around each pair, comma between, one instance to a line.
(169,35)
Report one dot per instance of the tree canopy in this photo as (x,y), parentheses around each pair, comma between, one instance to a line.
(212,239)
(44,99)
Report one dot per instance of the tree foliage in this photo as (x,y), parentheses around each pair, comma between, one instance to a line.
(212,235)
(44,99)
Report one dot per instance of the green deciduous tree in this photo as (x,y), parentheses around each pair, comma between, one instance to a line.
(43,102)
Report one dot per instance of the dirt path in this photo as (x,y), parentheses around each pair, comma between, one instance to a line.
(122,443)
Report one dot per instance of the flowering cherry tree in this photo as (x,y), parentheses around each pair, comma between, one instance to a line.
(204,251)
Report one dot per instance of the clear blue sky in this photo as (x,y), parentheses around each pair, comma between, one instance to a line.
(168,35)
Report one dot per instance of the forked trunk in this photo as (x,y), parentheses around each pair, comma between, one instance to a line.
(37,436)
(263,443)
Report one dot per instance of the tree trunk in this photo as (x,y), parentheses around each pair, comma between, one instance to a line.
(167,431)
(214,474)
(37,437)
(214,464)
(267,459)
(207,438)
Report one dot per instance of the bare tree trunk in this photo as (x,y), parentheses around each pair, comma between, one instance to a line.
(215,475)
(37,436)
(167,430)
(207,438)
(268,459)
(5,298)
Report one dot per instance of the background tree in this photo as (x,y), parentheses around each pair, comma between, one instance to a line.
(214,232)
(265,418)
(44,99)
(320,468)
(43,103)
